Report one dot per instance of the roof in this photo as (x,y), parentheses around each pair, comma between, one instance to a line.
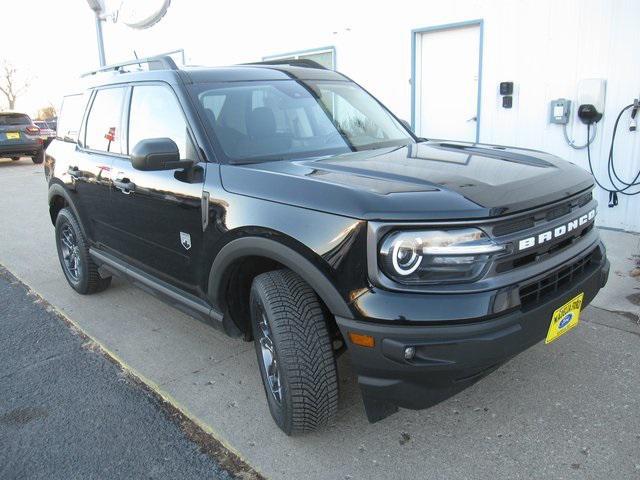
(164,69)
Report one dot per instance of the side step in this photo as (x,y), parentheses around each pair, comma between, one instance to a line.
(183,301)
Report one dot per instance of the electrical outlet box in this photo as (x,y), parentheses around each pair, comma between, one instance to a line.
(559,111)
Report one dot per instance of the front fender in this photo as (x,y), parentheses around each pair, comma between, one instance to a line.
(264,247)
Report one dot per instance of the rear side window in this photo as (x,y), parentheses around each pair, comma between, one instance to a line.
(156,113)
(9,119)
(70,117)
(104,129)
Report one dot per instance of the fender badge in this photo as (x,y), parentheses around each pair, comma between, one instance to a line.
(185,240)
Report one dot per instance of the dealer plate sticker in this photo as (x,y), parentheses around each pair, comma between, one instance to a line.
(565,318)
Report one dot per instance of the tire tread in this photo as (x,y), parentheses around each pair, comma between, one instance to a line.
(304,348)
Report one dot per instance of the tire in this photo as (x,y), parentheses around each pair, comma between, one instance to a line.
(301,346)
(15,159)
(38,158)
(84,278)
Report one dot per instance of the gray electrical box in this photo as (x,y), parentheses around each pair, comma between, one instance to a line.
(559,111)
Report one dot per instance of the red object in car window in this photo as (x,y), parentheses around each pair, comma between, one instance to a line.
(111,136)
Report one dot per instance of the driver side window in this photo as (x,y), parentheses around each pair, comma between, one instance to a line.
(155,113)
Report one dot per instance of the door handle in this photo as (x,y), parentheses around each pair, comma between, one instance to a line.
(125,185)
(473,119)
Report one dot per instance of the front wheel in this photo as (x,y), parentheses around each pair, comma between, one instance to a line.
(294,351)
(73,251)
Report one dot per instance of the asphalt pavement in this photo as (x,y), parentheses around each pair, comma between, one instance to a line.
(568,410)
(68,412)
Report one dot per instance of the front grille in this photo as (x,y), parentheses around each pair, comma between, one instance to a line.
(548,214)
(560,280)
(542,252)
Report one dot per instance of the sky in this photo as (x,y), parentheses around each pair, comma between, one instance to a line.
(53,42)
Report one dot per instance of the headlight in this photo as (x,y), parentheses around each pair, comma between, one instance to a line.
(437,256)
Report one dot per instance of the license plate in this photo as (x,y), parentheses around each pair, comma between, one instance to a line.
(565,318)
(13,135)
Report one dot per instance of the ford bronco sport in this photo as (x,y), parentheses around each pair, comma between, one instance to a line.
(284,204)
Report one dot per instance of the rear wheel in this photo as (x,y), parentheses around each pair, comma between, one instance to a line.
(38,158)
(73,252)
(294,352)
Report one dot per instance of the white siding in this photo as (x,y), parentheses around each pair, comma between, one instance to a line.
(544,46)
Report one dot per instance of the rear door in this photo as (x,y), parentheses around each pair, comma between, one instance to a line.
(157,223)
(99,142)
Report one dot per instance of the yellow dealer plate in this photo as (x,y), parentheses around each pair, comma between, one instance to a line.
(13,135)
(565,318)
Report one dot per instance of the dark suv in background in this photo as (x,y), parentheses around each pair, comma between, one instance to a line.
(284,204)
(20,137)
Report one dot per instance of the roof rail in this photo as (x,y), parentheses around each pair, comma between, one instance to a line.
(301,62)
(161,61)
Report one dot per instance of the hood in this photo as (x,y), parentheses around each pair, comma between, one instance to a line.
(425,181)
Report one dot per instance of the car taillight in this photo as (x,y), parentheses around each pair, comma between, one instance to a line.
(32,130)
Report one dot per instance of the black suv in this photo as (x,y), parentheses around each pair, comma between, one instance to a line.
(283,203)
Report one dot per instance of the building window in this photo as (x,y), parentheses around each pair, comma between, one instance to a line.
(324,56)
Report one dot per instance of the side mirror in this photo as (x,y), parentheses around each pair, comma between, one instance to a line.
(157,154)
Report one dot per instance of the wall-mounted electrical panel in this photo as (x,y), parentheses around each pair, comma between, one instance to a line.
(559,111)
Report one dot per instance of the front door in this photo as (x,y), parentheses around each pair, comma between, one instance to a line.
(157,215)
(446,83)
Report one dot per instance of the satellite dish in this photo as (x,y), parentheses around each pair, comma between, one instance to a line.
(141,14)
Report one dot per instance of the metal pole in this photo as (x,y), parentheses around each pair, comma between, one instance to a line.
(100,41)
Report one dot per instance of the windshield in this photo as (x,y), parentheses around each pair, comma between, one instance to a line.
(272,120)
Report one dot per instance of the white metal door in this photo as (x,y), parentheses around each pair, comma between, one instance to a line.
(447,72)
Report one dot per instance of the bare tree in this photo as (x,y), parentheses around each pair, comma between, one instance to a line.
(46,113)
(10,83)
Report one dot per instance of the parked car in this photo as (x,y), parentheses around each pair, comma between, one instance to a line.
(47,132)
(284,204)
(20,137)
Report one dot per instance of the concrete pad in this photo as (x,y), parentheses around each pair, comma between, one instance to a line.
(566,410)
(623,291)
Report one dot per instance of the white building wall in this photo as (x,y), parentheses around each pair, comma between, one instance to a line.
(544,46)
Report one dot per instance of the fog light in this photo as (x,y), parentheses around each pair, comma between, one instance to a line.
(409,353)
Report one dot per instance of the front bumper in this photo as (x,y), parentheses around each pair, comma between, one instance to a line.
(450,356)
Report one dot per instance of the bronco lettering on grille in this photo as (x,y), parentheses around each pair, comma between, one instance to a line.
(556,232)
